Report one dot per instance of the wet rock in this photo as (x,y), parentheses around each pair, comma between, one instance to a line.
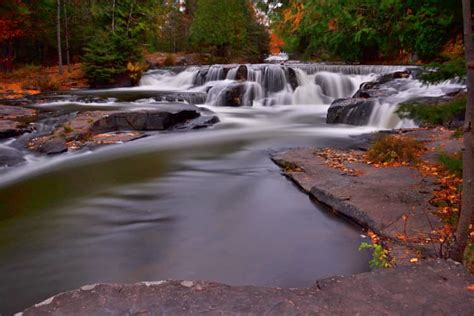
(292,78)
(242,73)
(380,87)
(230,95)
(53,147)
(17,113)
(14,120)
(143,120)
(355,111)
(10,128)
(194,97)
(392,76)
(10,156)
(376,92)
(198,123)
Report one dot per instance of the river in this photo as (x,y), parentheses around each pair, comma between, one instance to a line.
(198,205)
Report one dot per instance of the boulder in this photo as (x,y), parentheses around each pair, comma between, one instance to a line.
(10,156)
(373,89)
(17,113)
(53,147)
(14,120)
(198,123)
(230,94)
(392,76)
(355,111)
(379,88)
(10,128)
(292,78)
(161,118)
(242,73)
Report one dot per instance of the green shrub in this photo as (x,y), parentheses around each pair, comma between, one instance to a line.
(380,256)
(437,114)
(436,73)
(394,148)
(451,162)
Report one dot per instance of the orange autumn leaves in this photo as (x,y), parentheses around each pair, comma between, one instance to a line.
(293,15)
(336,159)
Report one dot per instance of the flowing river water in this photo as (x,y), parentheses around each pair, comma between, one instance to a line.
(206,204)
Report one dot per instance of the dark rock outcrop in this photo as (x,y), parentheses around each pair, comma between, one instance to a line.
(369,90)
(394,75)
(53,147)
(379,88)
(242,73)
(10,156)
(292,78)
(198,123)
(144,120)
(355,111)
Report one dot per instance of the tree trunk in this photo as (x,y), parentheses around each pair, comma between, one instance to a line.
(130,18)
(58,34)
(113,16)
(467,207)
(66,31)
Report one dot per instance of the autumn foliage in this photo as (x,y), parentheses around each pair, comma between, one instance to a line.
(276,43)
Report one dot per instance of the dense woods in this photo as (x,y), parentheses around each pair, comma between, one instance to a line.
(346,30)
(367,31)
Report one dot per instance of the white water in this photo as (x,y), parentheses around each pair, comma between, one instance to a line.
(317,85)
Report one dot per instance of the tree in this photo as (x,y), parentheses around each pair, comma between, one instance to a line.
(229,28)
(220,25)
(58,35)
(466,217)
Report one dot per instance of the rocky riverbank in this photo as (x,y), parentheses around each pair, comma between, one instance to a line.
(434,287)
(395,202)
(48,131)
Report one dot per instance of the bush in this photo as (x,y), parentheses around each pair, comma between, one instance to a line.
(436,73)
(394,148)
(437,114)
(107,57)
(44,83)
(170,60)
(452,162)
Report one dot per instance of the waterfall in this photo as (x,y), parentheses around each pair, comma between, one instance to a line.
(297,84)
(215,73)
(274,79)
(168,80)
(335,85)
(308,92)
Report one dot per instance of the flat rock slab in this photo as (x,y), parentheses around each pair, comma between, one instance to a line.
(431,288)
(377,199)
(14,120)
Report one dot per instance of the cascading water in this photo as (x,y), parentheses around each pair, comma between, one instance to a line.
(295,84)
(335,85)
(168,80)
